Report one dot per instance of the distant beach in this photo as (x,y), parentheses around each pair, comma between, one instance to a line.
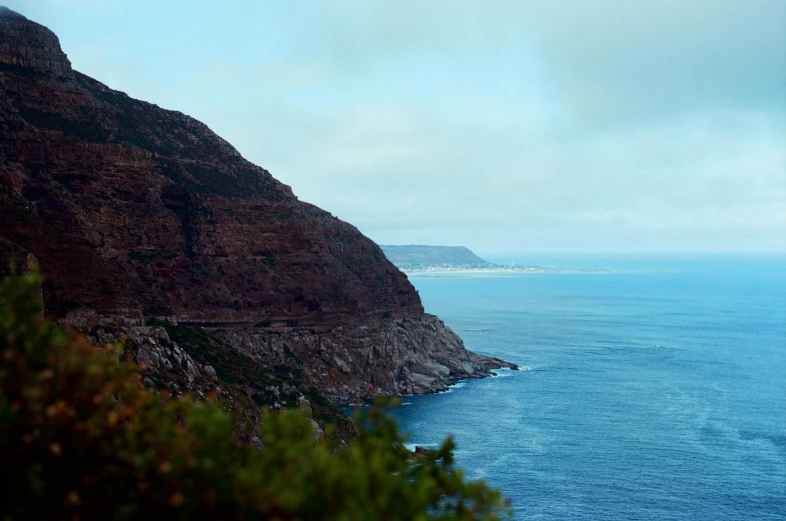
(498,269)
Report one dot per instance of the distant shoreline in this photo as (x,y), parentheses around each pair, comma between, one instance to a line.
(421,259)
(498,269)
(495,269)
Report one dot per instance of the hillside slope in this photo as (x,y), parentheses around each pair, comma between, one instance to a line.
(418,257)
(137,213)
(135,210)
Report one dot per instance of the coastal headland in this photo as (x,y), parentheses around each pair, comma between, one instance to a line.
(418,259)
(146,225)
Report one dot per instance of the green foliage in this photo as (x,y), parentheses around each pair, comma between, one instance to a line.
(81,439)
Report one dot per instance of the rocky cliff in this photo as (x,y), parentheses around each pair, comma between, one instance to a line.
(405,356)
(136,213)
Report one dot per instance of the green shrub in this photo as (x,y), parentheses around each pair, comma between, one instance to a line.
(81,439)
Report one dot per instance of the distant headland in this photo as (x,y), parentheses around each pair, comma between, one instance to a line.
(421,258)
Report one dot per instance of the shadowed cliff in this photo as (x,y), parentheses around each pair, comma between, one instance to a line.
(138,214)
(138,211)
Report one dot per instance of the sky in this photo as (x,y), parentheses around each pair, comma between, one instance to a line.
(566,126)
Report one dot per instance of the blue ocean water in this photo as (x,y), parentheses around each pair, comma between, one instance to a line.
(656,390)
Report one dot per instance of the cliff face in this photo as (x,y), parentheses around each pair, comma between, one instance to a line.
(406,356)
(135,212)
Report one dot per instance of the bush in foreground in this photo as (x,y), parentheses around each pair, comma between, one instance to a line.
(81,439)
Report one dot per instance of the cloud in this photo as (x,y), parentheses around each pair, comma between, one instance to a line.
(657,59)
(384,171)
(609,61)
(571,125)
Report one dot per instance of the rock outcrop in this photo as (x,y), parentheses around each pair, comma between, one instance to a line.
(245,386)
(136,213)
(403,356)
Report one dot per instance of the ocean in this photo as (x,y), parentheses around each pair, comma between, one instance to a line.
(655,390)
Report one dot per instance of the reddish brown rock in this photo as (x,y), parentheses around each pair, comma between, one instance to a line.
(137,211)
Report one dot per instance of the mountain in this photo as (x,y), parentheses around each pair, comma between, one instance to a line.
(146,223)
(135,210)
(416,257)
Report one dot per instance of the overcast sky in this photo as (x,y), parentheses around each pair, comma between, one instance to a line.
(551,126)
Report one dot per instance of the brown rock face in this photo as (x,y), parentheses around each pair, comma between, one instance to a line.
(345,364)
(135,211)
(39,50)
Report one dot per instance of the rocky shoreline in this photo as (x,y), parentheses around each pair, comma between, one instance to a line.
(252,371)
(344,364)
(349,363)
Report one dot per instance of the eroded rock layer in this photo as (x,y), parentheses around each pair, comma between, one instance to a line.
(383,358)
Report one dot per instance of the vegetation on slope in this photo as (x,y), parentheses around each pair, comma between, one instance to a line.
(418,257)
(83,439)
